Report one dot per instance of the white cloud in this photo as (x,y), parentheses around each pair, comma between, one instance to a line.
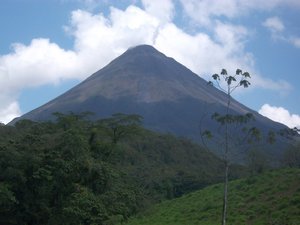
(204,12)
(281,86)
(10,112)
(39,63)
(295,41)
(207,13)
(98,39)
(281,115)
(274,24)
(163,10)
(276,27)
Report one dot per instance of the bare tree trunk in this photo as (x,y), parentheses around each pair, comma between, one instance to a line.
(226,161)
(224,213)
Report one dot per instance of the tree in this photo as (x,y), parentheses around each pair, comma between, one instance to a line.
(240,79)
(291,156)
(257,162)
(121,125)
(8,204)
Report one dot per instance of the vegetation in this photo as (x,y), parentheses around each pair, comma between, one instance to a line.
(74,171)
(270,198)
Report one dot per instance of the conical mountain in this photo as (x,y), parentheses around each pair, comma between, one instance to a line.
(169,96)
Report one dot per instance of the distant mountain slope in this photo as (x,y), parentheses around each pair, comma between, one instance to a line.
(271,198)
(169,96)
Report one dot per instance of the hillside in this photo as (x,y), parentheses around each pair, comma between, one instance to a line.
(74,171)
(271,198)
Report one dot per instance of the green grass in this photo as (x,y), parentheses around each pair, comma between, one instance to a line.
(271,198)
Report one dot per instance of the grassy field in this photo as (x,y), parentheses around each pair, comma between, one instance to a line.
(271,198)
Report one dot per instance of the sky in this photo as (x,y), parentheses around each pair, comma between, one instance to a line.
(49,46)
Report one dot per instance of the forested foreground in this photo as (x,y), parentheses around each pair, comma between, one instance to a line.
(73,171)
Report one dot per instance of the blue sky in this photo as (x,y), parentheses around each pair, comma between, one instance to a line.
(48,46)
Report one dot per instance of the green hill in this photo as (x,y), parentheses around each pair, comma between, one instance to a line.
(271,198)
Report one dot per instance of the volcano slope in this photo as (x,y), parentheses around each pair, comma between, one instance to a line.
(169,96)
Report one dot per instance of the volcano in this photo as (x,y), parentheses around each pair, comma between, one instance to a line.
(169,96)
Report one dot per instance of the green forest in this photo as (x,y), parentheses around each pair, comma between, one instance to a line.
(74,171)
(77,171)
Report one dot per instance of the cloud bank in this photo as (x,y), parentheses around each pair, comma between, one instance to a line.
(98,39)
(281,115)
